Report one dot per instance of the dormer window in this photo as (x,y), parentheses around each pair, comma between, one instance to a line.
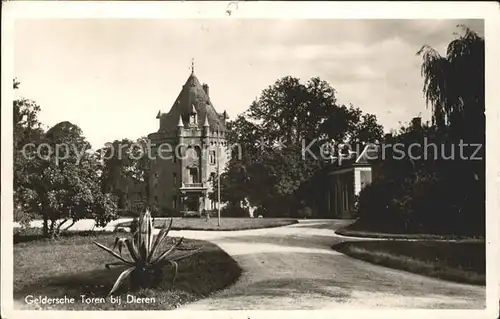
(192,115)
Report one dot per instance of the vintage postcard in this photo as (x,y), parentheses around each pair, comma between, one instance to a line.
(250,159)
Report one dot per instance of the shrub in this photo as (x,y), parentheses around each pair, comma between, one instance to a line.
(422,202)
(127,213)
(261,211)
(166,212)
(191,214)
(234,211)
(146,267)
(22,217)
(305,212)
(212,212)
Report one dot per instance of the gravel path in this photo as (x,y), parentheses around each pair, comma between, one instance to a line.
(293,267)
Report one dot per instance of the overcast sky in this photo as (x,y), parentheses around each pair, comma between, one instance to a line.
(110,77)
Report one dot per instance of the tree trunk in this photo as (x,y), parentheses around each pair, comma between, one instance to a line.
(70,225)
(52,228)
(45,227)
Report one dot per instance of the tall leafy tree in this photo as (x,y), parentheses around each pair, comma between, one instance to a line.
(56,178)
(281,138)
(27,136)
(454,84)
(68,187)
(454,87)
(446,192)
(126,168)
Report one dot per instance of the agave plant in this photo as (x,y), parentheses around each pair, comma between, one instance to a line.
(146,265)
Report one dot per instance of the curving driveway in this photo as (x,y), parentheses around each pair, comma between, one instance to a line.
(293,267)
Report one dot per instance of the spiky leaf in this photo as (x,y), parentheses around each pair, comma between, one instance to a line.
(113,253)
(175,266)
(119,243)
(132,249)
(118,263)
(160,237)
(121,279)
(167,252)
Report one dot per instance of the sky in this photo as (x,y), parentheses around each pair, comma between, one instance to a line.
(112,76)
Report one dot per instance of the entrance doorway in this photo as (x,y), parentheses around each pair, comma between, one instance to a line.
(191,203)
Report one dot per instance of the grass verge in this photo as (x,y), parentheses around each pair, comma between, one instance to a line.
(359,230)
(227,224)
(73,266)
(454,261)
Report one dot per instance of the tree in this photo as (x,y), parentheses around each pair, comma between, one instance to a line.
(454,87)
(55,177)
(454,84)
(367,130)
(27,133)
(440,193)
(287,118)
(68,186)
(126,168)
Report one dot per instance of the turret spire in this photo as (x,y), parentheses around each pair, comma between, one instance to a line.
(181,124)
(192,66)
(206,121)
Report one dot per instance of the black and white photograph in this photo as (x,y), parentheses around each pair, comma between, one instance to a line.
(223,162)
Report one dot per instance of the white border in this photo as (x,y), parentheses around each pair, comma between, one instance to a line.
(270,10)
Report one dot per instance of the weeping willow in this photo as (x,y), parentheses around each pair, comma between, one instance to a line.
(454,84)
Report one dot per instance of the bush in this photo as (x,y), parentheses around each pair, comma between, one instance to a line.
(211,212)
(305,212)
(127,213)
(420,203)
(261,211)
(165,212)
(22,217)
(191,214)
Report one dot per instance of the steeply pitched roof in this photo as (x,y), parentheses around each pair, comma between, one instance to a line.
(192,96)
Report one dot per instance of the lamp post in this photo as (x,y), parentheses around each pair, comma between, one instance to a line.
(218,177)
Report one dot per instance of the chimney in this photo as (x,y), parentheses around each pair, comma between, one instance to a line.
(416,122)
(205,88)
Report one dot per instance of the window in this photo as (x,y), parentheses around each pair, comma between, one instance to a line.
(174,202)
(174,179)
(212,157)
(156,198)
(156,175)
(193,175)
(156,185)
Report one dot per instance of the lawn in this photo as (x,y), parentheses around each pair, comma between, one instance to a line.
(227,224)
(455,261)
(73,266)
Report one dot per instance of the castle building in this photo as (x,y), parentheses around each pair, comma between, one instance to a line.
(188,151)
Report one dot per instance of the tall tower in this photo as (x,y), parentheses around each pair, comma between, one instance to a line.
(185,151)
